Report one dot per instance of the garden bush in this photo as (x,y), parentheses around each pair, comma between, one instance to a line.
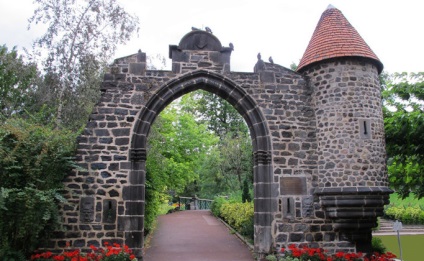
(378,246)
(33,162)
(239,216)
(408,215)
(216,206)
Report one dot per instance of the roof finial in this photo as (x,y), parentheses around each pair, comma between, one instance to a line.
(330,6)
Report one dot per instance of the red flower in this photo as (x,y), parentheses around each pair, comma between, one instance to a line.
(59,258)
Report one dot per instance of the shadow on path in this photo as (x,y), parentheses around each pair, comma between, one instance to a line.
(194,235)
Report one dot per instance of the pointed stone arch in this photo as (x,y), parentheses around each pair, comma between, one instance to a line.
(264,194)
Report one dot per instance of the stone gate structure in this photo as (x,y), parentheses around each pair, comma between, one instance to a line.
(317,133)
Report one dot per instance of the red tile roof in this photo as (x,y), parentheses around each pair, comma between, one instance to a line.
(335,37)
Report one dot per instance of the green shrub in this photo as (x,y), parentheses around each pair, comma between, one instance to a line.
(246,197)
(421,218)
(239,216)
(378,246)
(216,206)
(408,215)
(33,162)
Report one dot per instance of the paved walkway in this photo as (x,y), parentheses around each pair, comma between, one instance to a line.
(194,235)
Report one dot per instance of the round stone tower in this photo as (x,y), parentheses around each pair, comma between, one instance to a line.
(352,178)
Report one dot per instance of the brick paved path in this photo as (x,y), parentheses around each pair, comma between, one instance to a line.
(194,235)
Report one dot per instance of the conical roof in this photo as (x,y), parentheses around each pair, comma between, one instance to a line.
(335,37)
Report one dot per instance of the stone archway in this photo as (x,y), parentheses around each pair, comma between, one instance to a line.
(263,193)
(313,178)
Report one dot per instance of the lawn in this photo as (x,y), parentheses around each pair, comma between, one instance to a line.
(411,246)
(410,201)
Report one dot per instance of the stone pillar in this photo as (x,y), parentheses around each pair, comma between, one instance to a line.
(264,203)
(132,222)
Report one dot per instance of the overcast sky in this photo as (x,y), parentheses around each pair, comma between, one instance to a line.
(278,28)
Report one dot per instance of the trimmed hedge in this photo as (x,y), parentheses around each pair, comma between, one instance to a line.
(238,215)
(408,215)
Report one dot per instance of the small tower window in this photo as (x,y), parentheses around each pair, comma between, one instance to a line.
(365,128)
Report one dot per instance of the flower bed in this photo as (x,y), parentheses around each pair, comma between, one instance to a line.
(294,253)
(112,252)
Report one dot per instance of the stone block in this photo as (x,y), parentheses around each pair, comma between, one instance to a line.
(134,208)
(118,132)
(130,223)
(133,192)
(134,239)
(138,68)
(267,77)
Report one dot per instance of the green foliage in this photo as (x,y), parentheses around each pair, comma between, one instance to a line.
(194,150)
(33,162)
(177,147)
(398,201)
(219,115)
(290,258)
(378,246)
(408,215)
(246,193)
(239,216)
(228,164)
(403,96)
(271,258)
(216,206)
(16,83)
(80,39)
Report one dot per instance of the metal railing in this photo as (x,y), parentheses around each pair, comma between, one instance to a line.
(194,203)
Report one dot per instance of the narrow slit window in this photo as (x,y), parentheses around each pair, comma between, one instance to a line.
(288,206)
(279,205)
(365,128)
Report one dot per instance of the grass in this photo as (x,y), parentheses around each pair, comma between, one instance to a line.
(411,246)
(164,208)
(410,201)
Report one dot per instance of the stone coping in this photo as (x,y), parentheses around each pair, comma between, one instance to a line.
(353,190)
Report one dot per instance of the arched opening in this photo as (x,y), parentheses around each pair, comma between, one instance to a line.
(264,194)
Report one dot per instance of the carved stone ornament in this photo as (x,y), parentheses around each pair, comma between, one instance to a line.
(262,157)
(87,209)
(138,154)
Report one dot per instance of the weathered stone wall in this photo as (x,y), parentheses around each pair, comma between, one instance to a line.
(319,170)
(347,96)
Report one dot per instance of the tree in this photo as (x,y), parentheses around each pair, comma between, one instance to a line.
(236,153)
(34,159)
(403,96)
(230,162)
(81,36)
(16,82)
(220,116)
